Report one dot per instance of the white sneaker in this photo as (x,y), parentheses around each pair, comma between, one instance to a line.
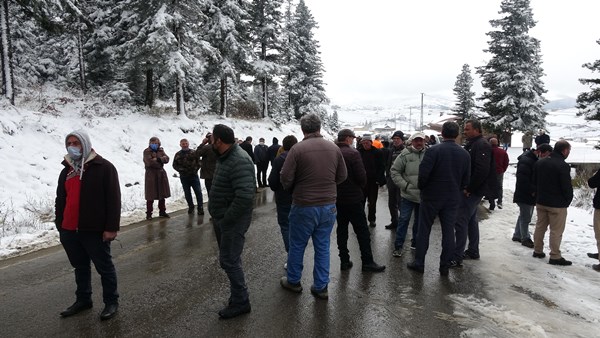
(285,266)
(397,253)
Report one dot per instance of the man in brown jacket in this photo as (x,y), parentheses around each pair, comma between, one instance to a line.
(312,171)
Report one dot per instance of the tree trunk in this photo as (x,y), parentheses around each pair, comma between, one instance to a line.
(81,60)
(149,87)
(263,55)
(223,109)
(6,50)
(179,96)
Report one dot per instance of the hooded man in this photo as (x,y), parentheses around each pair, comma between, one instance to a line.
(87,216)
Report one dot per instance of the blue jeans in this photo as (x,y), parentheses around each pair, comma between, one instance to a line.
(307,222)
(83,247)
(231,239)
(406,210)
(467,226)
(188,183)
(522,226)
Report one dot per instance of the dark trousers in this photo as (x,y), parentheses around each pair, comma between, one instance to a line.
(283,202)
(190,183)
(150,206)
(208,185)
(82,248)
(394,200)
(355,214)
(447,210)
(261,174)
(467,226)
(371,191)
(231,238)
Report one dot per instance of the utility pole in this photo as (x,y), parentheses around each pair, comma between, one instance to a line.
(421,127)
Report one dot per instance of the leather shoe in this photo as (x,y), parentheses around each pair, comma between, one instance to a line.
(596,267)
(234,310)
(418,268)
(77,307)
(373,267)
(559,261)
(110,310)
(346,265)
(391,226)
(539,254)
(593,255)
(444,270)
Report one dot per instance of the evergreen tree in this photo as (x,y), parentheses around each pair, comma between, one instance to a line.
(304,83)
(266,29)
(227,31)
(512,79)
(464,94)
(589,102)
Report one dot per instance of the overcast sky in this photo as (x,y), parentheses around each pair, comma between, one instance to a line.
(380,51)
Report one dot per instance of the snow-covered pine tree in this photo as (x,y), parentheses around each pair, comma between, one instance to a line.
(512,78)
(589,102)
(465,102)
(265,24)
(162,44)
(227,30)
(305,78)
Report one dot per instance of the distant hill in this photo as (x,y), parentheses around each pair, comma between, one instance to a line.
(565,103)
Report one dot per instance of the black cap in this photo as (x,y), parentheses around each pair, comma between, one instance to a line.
(399,134)
(346,132)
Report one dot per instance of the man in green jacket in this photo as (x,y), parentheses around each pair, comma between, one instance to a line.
(230,203)
(405,174)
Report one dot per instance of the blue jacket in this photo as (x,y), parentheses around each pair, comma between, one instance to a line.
(444,171)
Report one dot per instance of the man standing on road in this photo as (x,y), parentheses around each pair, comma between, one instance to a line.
(247,146)
(261,158)
(187,163)
(230,204)
(394,195)
(208,161)
(554,193)
(283,198)
(312,171)
(350,208)
(481,183)
(88,213)
(443,174)
(373,161)
(273,150)
(524,194)
(405,175)
(501,158)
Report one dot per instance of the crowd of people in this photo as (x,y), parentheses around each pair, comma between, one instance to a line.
(317,183)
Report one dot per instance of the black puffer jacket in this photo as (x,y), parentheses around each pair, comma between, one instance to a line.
(524,188)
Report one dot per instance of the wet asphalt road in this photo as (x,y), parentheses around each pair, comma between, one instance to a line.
(171,285)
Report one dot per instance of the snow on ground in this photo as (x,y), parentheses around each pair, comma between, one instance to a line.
(527,296)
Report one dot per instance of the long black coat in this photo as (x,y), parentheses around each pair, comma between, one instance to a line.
(483,180)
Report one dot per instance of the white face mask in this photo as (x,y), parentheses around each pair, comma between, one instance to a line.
(74,153)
